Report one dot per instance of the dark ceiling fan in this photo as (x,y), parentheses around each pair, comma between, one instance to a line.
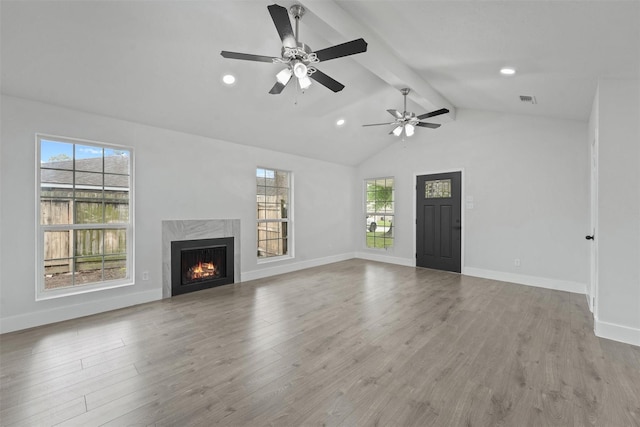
(298,58)
(406,122)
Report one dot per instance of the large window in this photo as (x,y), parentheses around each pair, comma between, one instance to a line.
(85,201)
(379,205)
(274,212)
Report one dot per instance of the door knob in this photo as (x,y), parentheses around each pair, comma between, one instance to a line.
(589,237)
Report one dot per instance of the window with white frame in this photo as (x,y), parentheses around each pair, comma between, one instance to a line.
(85,216)
(379,209)
(273,198)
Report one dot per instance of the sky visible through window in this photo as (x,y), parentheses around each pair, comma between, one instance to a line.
(55,149)
(265,173)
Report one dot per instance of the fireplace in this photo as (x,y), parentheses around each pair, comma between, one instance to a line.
(201,264)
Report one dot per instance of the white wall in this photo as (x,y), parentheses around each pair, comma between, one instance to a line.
(529,179)
(177,176)
(618,297)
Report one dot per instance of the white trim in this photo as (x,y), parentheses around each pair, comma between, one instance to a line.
(589,301)
(593,221)
(86,308)
(539,282)
(408,262)
(288,268)
(613,331)
(462,209)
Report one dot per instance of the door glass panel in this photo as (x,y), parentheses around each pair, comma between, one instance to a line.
(437,189)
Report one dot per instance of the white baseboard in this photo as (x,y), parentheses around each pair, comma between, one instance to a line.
(44,317)
(616,332)
(540,282)
(407,262)
(295,266)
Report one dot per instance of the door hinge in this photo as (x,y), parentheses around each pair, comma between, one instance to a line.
(416,256)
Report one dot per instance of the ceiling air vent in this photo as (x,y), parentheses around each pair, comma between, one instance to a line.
(528,99)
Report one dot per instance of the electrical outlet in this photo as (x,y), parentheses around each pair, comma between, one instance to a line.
(516,262)
(145,275)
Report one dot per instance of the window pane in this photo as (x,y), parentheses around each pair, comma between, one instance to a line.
(115,267)
(56,155)
(56,245)
(111,180)
(56,211)
(89,242)
(55,176)
(58,273)
(88,270)
(282,179)
(88,179)
(89,212)
(116,213)
(284,209)
(270,191)
(121,196)
(272,239)
(115,241)
(88,158)
(116,161)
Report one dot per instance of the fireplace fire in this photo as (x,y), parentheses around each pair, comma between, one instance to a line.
(201,271)
(201,264)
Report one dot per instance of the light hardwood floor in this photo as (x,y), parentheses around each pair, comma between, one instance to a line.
(352,343)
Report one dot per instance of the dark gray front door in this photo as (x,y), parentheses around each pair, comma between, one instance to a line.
(438,221)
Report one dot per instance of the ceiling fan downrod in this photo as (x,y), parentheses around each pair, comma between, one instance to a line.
(405,91)
(297,11)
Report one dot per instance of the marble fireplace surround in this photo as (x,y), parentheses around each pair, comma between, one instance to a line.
(197,229)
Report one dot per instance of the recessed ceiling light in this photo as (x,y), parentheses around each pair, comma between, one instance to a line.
(340,122)
(507,71)
(228,79)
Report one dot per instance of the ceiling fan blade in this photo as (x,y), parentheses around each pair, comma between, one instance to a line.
(279,87)
(380,124)
(247,56)
(280,17)
(395,113)
(433,113)
(428,125)
(326,81)
(340,50)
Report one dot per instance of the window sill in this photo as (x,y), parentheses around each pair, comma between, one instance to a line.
(274,259)
(81,289)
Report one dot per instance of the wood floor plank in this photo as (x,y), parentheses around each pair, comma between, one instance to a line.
(351,343)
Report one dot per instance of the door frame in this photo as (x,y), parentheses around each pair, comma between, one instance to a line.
(592,299)
(463,208)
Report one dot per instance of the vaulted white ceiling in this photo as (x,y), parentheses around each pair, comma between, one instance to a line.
(159,63)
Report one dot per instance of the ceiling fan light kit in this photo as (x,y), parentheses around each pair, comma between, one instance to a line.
(406,122)
(300,60)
